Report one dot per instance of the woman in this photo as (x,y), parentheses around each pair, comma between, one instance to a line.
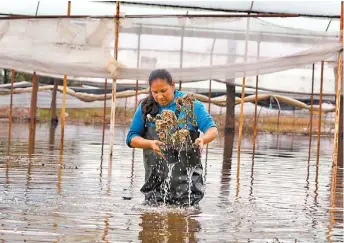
(177,179)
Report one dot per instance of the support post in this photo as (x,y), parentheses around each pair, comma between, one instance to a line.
(33,114)
(311,116)
(320,111)
(33,107)
(338,130)
(256,106)
(211,63)
(104,114)
(181,54)
(53,118)
(138,65)
(11,113)
(241,120)
(229,123)
(63,109)
(113,100)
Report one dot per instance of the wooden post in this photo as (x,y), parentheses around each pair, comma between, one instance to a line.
(113,100)
(311,116)
(320,106)
(338,142)
(62,115)
(340,139)
(53,117)
(241,120)
(33,115)
(33,101)
(63,109)
(229,123)
(339,112)
(33,109)
(11,112)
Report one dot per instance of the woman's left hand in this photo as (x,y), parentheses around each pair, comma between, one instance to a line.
(199,142)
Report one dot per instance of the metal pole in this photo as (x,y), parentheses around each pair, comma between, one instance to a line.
(209,101)
(209,96)
(11,112)
(256,107)
(104,114)
(113,100)
(258,15)
(181,54)
(311,116)
(63,109)
(211,63)
(320,106)
(138,65)
(125,108)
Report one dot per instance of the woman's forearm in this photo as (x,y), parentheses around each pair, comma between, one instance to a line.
(140,142)
(209,135)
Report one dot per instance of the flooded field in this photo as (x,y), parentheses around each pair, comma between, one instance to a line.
(78,196)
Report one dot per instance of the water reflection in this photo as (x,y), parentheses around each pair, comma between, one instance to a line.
(226,166)
(106,229)
(32,135)
(168,227)
(52,131)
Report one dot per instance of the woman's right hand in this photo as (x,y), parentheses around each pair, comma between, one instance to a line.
(154,144)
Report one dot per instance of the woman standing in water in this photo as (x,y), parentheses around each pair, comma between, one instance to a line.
(171,176)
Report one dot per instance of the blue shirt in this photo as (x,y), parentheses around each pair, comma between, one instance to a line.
(203,118)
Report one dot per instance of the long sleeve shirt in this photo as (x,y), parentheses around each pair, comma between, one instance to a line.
(203,118)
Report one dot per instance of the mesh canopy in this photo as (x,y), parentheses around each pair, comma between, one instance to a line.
(56,46)
(193,49)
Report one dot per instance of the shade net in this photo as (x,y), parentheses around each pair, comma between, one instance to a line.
(192,49)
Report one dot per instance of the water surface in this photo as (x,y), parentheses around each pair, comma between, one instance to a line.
(78,196)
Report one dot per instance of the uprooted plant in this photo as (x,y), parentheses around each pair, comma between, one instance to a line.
(173,131)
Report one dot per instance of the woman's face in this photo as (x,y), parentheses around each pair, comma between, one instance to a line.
(162,91)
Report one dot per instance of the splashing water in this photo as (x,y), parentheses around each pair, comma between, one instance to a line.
(167,182)
(189,173)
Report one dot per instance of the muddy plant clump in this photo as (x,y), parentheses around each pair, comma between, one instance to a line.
(173,132)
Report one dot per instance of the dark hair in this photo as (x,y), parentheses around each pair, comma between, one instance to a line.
(149,105)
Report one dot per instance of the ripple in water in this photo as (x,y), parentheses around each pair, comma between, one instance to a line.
(78,196)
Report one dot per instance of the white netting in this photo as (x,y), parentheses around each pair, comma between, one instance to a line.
(76,47)
(191,48)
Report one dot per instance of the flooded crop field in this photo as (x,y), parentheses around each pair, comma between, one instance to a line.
(277,195)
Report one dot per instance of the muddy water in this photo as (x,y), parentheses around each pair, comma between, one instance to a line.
(78,196)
